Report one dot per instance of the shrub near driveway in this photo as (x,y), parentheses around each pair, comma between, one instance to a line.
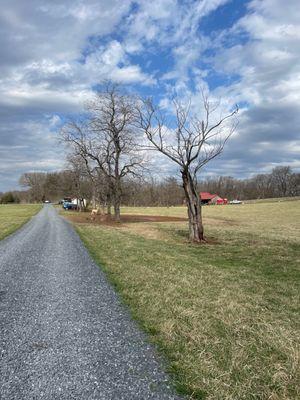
(13,216)
(226,315)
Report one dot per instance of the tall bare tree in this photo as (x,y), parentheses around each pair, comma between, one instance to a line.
(95,158)
(190,142)
(107,139)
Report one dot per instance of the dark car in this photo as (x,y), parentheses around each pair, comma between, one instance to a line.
(67,205)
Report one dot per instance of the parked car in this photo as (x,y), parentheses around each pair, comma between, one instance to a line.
(235,202)
(67,205)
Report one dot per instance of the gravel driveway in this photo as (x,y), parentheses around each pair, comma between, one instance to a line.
(63,332)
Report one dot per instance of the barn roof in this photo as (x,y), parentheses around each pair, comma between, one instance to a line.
(207,196)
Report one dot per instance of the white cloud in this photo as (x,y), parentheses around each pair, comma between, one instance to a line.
(111,62)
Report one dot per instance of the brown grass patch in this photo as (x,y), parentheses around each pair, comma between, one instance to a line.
(125,219)
(148,226)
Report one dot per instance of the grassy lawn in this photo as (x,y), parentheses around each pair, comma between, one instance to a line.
(226,314)
(13,216)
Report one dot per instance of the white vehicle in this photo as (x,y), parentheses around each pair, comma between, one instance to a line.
(235,202)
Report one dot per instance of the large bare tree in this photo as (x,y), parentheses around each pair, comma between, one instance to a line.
(107,140)
(190,142)
(95,157)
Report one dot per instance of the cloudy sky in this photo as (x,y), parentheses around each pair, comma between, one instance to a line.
(54,53)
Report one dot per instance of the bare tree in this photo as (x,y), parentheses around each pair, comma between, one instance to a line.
(95,158)
(190,142)
(113,117)
(281,180)
(295,185)
(35,181)
(107,140)
(101,189)
(81,187)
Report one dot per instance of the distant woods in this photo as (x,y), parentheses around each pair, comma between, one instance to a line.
(281,182)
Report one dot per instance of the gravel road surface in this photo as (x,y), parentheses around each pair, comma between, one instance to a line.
(63,332)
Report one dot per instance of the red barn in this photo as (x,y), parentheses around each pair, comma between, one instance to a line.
(208,198)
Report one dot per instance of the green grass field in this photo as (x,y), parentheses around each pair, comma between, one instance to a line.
(13,216)
(225,314)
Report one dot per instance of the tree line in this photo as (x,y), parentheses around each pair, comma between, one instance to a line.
(143,191)
(281,182)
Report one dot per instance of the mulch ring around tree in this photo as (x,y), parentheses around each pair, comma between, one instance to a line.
(125,219)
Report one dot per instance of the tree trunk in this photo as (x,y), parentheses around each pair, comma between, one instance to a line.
(94,201)
(108,206)
(117,181)
(80,204)
(108,198)
(117,201)
(192,198)
(117,211)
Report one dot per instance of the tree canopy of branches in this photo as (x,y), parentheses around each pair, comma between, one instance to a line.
(106,141)
(190,141)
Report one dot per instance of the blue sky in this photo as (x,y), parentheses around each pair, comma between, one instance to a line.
(54,53)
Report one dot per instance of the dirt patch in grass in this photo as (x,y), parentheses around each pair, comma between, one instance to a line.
(125,219)
(158,227)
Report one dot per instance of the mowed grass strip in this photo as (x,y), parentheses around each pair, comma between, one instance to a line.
(13,216)
(226,315)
